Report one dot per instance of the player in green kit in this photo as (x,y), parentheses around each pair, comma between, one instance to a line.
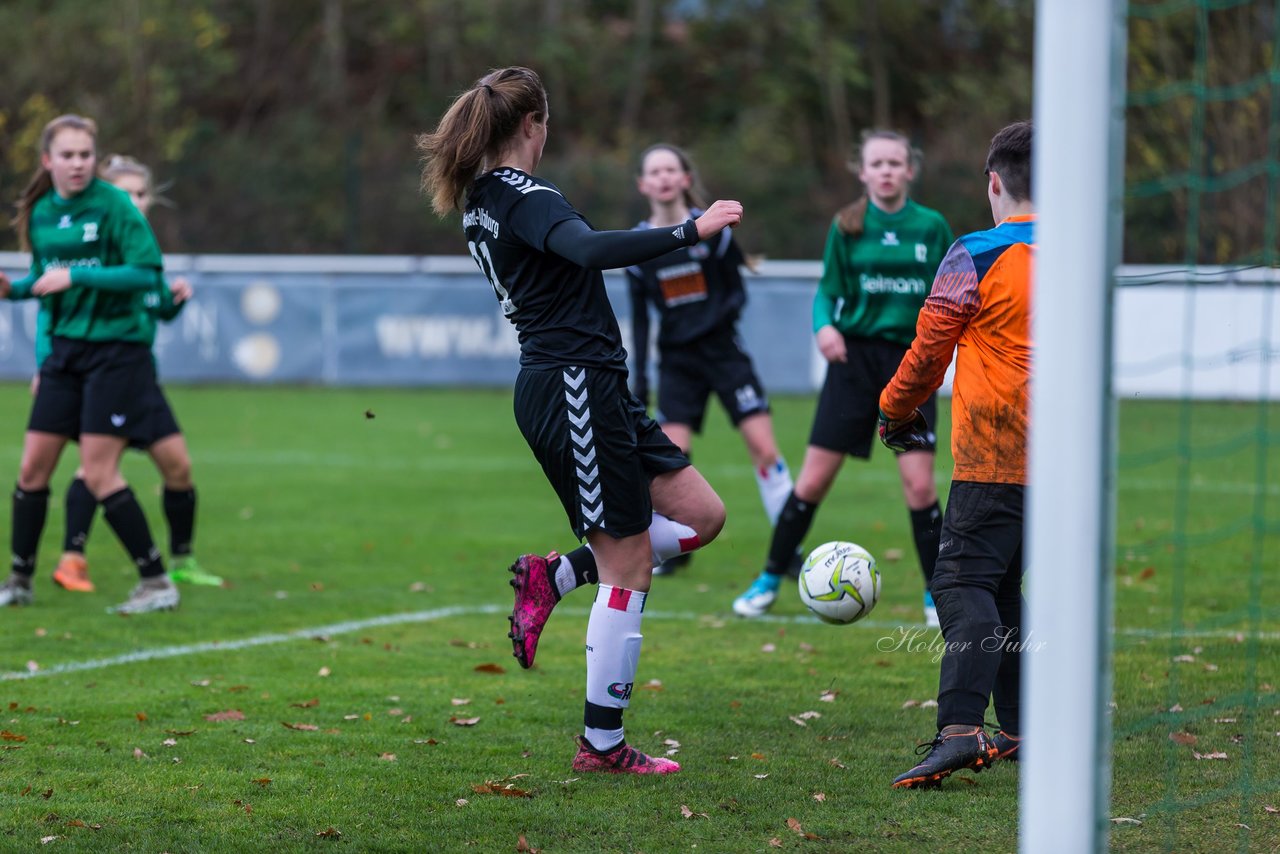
(94,261)
(881,256)
(166,444)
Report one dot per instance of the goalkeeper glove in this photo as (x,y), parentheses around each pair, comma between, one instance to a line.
(906,434)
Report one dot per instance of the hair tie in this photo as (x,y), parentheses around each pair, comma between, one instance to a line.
(487,88)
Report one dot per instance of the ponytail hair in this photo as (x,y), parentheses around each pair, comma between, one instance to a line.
(850,218)
(475,129)
(41,181)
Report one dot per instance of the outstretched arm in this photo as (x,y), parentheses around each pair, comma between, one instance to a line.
(576,241)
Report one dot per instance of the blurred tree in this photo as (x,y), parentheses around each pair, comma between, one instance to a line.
(288,127)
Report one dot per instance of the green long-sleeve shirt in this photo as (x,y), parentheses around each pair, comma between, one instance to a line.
(873,285)
(113,258)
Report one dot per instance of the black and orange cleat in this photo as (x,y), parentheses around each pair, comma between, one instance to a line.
(535,599)
(970,748)
(1006,746)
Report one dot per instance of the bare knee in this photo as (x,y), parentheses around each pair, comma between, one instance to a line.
(176,472)
(710,521)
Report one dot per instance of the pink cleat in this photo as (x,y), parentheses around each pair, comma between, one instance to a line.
(535,599)
(621,760)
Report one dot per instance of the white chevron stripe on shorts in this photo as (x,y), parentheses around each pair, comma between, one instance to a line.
(590,499)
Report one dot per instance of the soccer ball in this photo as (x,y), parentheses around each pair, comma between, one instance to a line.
(839,582)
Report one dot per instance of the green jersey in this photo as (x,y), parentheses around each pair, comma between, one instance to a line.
(114,261)
(873,285)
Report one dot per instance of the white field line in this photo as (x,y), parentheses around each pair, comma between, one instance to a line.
(350,626)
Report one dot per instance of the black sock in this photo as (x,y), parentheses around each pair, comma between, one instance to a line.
(926,527)
(792,526)
(126,518)
(180,511)
(29,510)
(583,561)
(81,505)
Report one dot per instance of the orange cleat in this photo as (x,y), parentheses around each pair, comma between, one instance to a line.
(73,574)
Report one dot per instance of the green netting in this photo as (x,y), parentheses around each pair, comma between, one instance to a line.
(1196,717)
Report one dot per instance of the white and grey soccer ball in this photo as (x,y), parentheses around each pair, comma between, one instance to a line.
(839,582)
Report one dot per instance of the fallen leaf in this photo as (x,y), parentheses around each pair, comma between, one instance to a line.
(11,736)
(33,666)
(523,846)
(462,802)
(1125,820)
(1182,738)
(500,787)
(836,762)
(25,792)
(236,689)
(1175,708)
(47,794)
(1211,667)
(829,696)
(263,781)
(761,776)
(45,840)
(775,842)
(250,741)
(893,555)
(1218,755)
(1184,659)
(456,721)
(688,813)
(794,824)
(1146,573)
(757,756)
(1224,720)
(395,712)
(795,720)
(330,833)
(306,704)
(929,704)
(1270,809)
(460,701)
(169,742)
(819,797)
(228,715)
(768,648)
(425,741)
(303,727)
(808,716)
(141,716)
(323,671)
(138,754)
(351,717)
(490,668)
(910,704)
(389,757)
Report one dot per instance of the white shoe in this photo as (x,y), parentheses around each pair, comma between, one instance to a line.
(16,591)
(759,597)
(151,594)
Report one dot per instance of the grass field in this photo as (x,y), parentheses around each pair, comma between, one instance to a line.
(366,621)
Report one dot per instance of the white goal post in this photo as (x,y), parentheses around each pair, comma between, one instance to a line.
(1076,184)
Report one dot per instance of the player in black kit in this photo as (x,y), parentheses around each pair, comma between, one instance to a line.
(698,293)
(624,485)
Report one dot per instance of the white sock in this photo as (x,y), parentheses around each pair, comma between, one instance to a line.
(613,654)
(565,580)
(775,485)
(669,538)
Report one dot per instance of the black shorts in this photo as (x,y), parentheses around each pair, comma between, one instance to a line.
(849,404)
(101,387)
(688,374)
(161,423)
(596,445)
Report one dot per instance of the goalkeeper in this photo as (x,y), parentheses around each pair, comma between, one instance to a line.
(979,307)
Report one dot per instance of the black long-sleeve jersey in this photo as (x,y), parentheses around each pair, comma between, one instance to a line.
(697,291)
(543,260)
